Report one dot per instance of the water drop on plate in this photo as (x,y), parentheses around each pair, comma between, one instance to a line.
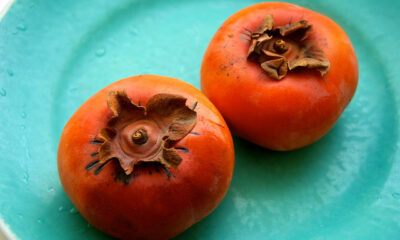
(21,27)
(396,195)
(61,208)
(3,92)
(50,190)
(100,52)
(26,177)
(73,211)
(133,31)
(24,115)
(10,72)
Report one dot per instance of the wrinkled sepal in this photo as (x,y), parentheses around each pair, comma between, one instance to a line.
(123,109)
(172,114)
(169,113)
(270,44)
(311,57)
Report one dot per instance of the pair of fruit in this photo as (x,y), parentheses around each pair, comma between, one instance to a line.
(149,156)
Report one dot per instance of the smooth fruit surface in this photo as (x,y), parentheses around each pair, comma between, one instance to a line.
(281,114)
(157,202)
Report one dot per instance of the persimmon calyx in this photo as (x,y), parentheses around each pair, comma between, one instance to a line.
(284,48)
(137,134)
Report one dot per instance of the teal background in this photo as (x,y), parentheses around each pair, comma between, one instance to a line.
(56,54)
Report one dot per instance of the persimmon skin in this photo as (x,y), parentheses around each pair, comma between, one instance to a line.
(278,114)
(151,206)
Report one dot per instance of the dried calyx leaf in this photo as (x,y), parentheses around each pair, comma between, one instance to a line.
(137,134)
(284,48)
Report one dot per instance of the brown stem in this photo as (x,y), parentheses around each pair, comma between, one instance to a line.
(139,137)
(280,46)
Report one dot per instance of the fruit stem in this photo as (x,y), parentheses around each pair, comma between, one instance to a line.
(139,137)
(280,46)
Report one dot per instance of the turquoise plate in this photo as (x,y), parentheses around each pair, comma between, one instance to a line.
(55,54)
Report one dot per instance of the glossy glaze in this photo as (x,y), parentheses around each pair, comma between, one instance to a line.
(345,186)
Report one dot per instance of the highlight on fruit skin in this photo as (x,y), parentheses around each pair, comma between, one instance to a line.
(146,157)
(280,74)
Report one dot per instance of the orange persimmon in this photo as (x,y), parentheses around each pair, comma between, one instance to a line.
(280,74)
(146,157)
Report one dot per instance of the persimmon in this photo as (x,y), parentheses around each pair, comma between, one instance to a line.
(280,74)
(146,157)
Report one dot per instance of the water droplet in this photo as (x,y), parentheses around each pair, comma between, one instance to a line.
(134,31)
(22,127)
(26,177)
(10,72)
(50,190)
(14,32)
(73,211)
(112,41)
(21,27)
(100,52)
(3,92)
(61,208)
(23,115)
(40,221)
(396,195)
(27,153)
(72,89)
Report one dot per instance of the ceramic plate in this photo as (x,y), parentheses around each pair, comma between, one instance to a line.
(56,54)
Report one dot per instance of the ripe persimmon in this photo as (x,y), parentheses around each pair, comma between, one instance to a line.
(146,157)
(280,74)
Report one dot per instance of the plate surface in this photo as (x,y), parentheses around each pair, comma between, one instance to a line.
(56,54)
